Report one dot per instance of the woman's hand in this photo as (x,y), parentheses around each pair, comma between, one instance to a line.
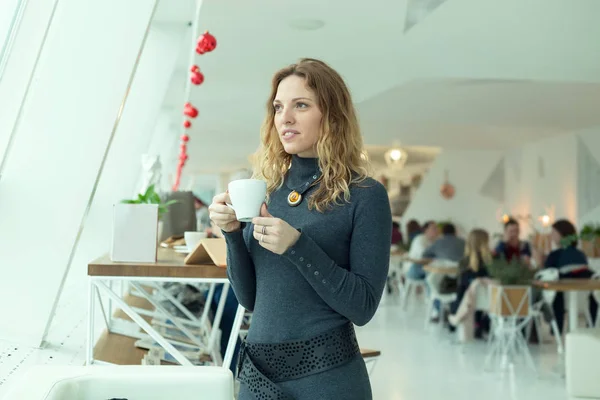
(274,234)
(222,215)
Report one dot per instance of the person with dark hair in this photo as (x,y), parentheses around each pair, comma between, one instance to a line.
(396,234)
(449,247)
(448,229)
(571,263)
(413,229)
(418,246)
(511,246)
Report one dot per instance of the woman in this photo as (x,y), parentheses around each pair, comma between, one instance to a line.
(316,261)
(473,266)
(571,263)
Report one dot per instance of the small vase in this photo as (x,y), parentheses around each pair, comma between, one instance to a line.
(159,232)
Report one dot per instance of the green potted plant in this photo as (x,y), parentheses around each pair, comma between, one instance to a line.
(150,196)
(512,282)
(136,227)
(589,237)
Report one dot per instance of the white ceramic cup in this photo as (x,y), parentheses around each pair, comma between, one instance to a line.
(192,238)
(247,196)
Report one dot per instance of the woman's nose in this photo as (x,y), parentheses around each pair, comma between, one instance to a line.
(288,116)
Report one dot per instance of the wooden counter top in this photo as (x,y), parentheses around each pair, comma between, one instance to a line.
(440,270)
(169,265)
(565,285)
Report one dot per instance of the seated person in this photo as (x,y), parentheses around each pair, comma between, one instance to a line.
(418,246)
(568,256)
(511,246)
(397,238)
(472,266)
(413,229)
(449,247)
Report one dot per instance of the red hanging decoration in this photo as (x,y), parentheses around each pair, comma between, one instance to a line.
(206,43)
(197,77)
(447,190)
(190,110)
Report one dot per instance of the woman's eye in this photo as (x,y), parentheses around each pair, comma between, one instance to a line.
(301,105)
(277,107)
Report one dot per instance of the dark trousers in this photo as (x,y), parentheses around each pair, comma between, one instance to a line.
(559,301)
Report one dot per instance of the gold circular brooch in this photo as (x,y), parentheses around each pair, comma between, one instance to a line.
(294,198)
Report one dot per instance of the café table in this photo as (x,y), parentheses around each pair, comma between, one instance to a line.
(169,267)
(572,289)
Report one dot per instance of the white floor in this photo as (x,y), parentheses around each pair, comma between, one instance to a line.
(416,364)
(421,364)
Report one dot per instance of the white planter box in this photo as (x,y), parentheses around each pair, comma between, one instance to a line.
(135,230)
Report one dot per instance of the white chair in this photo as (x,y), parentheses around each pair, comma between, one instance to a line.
(411,285)
(395,276)
(582,296)
(464,330)
(433,282)
(596,294)
(546,275)
(408,285)
(582,355)
(132,382)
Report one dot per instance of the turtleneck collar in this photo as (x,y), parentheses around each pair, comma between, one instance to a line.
(302,170)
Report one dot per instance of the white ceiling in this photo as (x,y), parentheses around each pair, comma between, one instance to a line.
(472,74)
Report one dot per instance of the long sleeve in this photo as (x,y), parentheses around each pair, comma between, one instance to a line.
(240,269)
(355,292)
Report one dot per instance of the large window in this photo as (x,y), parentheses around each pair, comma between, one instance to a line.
(10,15)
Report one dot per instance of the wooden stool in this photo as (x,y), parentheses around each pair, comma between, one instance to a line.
(370,357)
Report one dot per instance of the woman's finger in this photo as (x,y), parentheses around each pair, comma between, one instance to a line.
(217,217)
(222,198)
(221,209)
(266,221)
(264,229)
(262,239)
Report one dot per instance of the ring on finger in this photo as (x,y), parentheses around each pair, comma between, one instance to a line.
(264,230)
(262,236)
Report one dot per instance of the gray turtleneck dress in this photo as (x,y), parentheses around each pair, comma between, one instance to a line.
(335,273)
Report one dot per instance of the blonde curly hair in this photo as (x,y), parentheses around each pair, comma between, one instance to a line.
(339,148)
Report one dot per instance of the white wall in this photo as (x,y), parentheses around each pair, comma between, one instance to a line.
(165,144)
(67,119)
(122,171)
(590,141)
(541,179)
(468,171)
(559,176)
(20,65)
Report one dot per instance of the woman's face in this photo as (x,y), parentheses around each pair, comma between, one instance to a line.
(556,237)
(297,117)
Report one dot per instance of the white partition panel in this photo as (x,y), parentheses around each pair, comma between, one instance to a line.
(67,119)
(120,177)
(28,37)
